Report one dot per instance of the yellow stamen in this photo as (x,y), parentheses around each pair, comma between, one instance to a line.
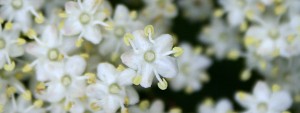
(218,13)
(91,78)
(233,55)
(178,51)
(137,80)
(144,104)
(249,15)
(8,26)
(27,95)
(27,68)
(245,75)
(244,26)
(10,91)
(128,37)
(241,95)
(163,85)
(21,41)
(198,50)
(279,9)
(133,15)
(31,33)
(40,18)
(248,41)
(38,103)
(1,20)
(10,67)
(276,88)
(85,55)
(208,102)
(149,29)
(120,68)
(175,110)
(40,87)
(79,42)
(68,106)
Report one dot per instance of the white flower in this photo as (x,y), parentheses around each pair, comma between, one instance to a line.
(19,11)
(223,39)
(10,47)
(263,100)
(222,106)
(123,22)
(66,82)
(113,90)
(49,52)
(22,105)
(84,18)
(151,57)
(239,10)
(157,106)
(191,70)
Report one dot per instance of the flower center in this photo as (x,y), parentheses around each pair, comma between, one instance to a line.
(66,80)
(224,36)
(84,18)
(273,33)
(114,88)
(161,3)
(149,56)
(262,107)
(2,44)
(17,4)
(185,68)
(53,54)
(119,31)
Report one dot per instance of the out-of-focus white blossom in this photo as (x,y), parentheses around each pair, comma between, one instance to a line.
(264,100)
(192,68)
(222,106)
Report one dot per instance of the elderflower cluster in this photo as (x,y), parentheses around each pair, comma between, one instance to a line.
(105,56)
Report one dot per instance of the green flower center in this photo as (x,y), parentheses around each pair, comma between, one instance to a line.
(114,89)
(119,31)
(66,80)
(84,18)
(149,56)
(53,54)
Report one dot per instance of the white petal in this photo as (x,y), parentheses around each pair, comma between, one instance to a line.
(223,106)
(157,107)
(178,82)
(68,45)
(50,36)
(2,60)
(34,49)
(245,100)
(15,51)
(72,27)
(89,5)
(55,69)
(107,73)
(71,7)
(41,74)
(140,40)
(125,78)
(261,91)
(111,104)
(147,76)
(132,94)
(235,18)
(92,34)
(130,59)
(163,43)
(166,67)
(96,91)
(75,65)
(280,101)
(55,92)
(121,13)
